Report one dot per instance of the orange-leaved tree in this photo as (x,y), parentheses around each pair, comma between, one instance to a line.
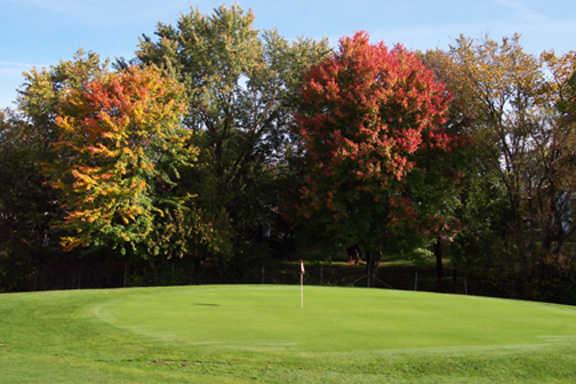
(120,148)
(366,112)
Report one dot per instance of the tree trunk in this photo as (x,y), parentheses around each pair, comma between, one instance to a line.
(371,265)
(79,276)
(125,274)
(439,253)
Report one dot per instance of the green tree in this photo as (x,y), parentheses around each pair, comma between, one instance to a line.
(27,206)
(522,163)
(241,85)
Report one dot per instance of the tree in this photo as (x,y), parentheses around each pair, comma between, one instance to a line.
(33,130)
(119,150)
(366,113)
(26,206)
(241,86)
(517,97)
(447,183)
(516,210)
(21,198)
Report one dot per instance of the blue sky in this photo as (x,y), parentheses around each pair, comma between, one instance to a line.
(41,32)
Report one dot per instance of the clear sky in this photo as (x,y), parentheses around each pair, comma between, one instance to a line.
(42,32)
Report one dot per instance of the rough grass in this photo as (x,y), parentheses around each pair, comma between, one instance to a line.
(258,334)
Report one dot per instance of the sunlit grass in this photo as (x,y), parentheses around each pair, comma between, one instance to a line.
(258,334)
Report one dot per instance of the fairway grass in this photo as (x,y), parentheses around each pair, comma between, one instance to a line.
(258,334)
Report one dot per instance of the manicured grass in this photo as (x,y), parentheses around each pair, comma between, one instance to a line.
(258,334)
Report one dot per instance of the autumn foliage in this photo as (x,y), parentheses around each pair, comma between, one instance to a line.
(231,146)
(365,112)
(120,145)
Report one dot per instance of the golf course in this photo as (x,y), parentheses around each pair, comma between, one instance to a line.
(259,334)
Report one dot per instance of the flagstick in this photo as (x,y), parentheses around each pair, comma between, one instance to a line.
(301,290)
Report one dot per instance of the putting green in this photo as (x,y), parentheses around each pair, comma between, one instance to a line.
(240,334)
(333,319)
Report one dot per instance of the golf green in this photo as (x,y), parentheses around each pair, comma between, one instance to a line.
(259,333)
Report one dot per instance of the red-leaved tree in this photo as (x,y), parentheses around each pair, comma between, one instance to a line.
(366,112)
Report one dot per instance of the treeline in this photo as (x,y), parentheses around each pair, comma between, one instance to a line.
(223,148)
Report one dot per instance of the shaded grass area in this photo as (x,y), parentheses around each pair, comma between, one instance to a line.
(257,334)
